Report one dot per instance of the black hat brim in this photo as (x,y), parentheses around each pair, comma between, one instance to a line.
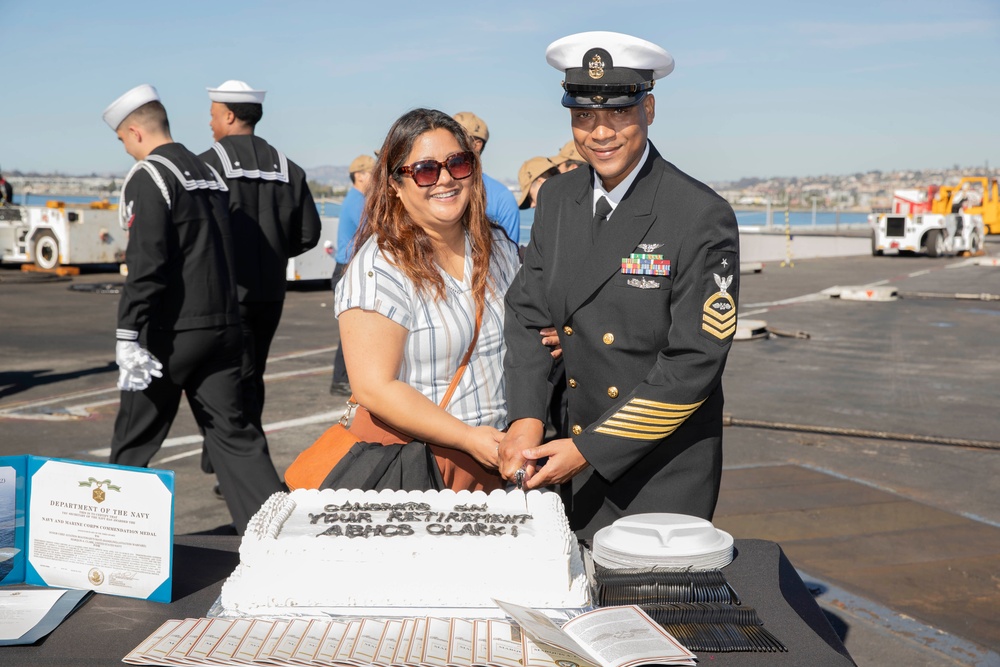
(602,101)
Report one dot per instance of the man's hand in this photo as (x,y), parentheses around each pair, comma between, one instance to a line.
(564,462)
(550,338)
(137,367)
(522,434)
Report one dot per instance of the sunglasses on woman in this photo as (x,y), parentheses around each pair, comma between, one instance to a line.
(426,173)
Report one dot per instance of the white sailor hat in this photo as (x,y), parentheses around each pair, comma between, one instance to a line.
(607,69)
(236,92)
(118,110)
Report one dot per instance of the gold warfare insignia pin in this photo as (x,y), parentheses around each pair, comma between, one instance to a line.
(719,313)
(595,68)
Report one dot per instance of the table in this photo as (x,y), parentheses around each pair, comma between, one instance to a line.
(106,627)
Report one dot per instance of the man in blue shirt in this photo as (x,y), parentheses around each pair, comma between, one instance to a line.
(350,220)
(501,207)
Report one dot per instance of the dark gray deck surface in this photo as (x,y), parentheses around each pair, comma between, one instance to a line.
(910,527)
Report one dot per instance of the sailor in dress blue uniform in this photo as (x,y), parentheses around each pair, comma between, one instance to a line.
(273,217)
(178,318)
(636,265)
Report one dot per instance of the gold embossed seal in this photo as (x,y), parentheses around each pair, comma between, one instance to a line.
(99,494)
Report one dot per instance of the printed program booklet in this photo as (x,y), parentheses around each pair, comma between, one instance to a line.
(88,526)
(606,637)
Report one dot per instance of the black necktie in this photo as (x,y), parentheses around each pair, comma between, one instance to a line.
(601,211)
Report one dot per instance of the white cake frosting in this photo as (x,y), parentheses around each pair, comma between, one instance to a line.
(340,548)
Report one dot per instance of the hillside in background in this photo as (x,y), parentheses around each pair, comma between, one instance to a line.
(332,175)
(859,191)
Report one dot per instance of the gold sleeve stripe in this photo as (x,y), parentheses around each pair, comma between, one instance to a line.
(663,414)
(666,406)
(628,434)
(643,419)
(617,423)
(621,414)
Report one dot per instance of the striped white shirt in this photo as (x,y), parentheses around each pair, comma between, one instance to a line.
(440,331)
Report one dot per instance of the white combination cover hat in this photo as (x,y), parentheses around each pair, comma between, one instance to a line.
(118,110)
(607,69)
(236,92)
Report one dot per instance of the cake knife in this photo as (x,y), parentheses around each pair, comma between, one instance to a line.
(519,480)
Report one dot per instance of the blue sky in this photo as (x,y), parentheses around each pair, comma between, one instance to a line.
(760,88)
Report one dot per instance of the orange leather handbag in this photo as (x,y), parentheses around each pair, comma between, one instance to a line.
(311,466)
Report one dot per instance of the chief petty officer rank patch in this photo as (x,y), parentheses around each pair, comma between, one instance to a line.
(718,318)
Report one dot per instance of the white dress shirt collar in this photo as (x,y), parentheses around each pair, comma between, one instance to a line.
(618,192)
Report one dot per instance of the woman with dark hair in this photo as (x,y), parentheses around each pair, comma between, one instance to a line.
(428,278)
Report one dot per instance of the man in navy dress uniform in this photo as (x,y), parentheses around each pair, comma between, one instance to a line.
(178,318)
(636,265)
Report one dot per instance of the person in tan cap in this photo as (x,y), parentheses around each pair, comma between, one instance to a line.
(501,207)
(568,158)
(360,172)
(530,177)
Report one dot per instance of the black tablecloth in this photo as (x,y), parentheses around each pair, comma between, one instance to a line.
(106,628)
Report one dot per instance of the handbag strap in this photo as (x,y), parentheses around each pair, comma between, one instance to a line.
(351,403)
(465,360)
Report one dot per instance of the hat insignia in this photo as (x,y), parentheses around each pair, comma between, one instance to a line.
(596,67)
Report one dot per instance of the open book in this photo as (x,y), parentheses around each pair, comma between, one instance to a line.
(606,637)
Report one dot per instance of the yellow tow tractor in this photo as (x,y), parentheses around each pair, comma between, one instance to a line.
(944,220)
(977,195)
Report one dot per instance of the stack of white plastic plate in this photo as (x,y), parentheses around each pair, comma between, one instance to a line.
(675,541)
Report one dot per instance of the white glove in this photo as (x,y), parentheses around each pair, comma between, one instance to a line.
(129,382)
(137,366)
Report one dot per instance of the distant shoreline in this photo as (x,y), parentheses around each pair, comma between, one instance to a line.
(775,209)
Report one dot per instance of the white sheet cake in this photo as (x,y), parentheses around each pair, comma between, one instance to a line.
(335,549)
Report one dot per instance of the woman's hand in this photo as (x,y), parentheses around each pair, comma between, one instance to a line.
(550,338)
(481,443)
(523,434)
